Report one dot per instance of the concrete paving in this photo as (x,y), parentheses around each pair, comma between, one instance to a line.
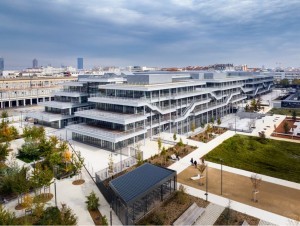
(211,214)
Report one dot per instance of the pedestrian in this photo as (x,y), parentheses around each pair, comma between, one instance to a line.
(192,161)
(195,163)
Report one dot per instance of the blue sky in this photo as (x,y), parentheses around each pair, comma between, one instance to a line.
(148,32)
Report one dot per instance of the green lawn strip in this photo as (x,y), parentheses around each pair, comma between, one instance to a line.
(285,111)
(273,158)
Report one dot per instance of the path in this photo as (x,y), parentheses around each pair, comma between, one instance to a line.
(211,214)
(240,207)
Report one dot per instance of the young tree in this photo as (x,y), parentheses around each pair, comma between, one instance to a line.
(201,168)
(4,152)
(163,154)
(35,133)
(193,127)
(4,114)
(256,181)
(180,143)
(139,156)
(27,201)
(208,130)
(92,202)
(67,217)
(78,163)
(258,103)
(253,105)
(159,144)
(110,165)
(7,217)
(286,127)
(175,136)
(21,183)
(219,123)
(212,120)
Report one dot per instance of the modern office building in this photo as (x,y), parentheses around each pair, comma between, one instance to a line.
(122,114)
(80,63)
(1,64)
(15,92)
(35,63)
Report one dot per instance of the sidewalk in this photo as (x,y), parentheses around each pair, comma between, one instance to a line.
(249,210)
(203,149)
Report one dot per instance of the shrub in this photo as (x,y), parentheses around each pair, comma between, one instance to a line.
(104,220)
(181,195)
(180,143)
(92,201)
(158,218)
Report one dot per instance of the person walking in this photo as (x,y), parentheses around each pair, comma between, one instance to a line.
(192,161)
(195,163)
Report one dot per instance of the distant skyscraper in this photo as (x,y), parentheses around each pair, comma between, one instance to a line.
(1,64)
(35,63)
(80,63)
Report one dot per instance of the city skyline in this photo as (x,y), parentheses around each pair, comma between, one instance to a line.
(163,34)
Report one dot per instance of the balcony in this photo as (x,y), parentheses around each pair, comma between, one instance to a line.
(62,105)
(113,117)
(105,134)
(47,116)
(66,93)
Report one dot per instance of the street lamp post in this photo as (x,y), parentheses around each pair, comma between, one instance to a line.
(206,184)
(221,176)
(55,192)
(21,119)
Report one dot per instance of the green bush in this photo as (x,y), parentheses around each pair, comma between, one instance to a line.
(104,220)
(92,201)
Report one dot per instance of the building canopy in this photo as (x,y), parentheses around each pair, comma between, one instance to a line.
(137,183)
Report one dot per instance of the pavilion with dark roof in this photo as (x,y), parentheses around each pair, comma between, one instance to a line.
(135,193)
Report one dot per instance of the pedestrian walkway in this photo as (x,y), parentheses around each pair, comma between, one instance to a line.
(264,223)
(240,207)
(211,214)
(203,149)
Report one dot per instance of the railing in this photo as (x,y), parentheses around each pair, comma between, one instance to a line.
(103,132)
(117,168)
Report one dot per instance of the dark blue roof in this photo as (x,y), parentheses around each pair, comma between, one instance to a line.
(139,181)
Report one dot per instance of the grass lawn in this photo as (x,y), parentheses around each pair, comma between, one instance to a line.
(285,111)
(274,158)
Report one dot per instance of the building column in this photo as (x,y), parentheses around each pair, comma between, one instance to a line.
(9,104)
(59,124)
(24,102)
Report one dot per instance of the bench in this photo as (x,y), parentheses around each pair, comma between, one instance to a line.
(190,216)
(173,157)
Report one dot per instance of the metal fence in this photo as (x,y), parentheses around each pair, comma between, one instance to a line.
(118,167)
